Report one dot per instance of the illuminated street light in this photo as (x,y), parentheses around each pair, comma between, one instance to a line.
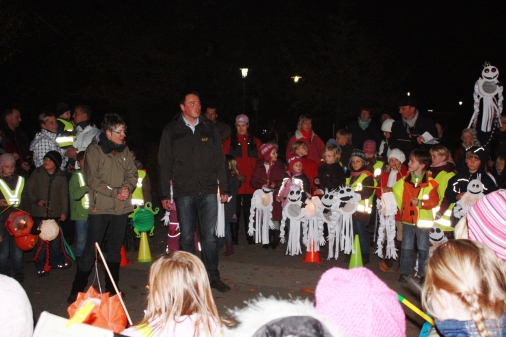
(296,78)
(408,93)
(460,102)
(244,72)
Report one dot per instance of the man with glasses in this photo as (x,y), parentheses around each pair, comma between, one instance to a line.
(407,132)
(192,157)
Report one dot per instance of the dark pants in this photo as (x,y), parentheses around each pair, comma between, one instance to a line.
(246,207)
(8,249)
(360,228)
(56,256)
(206,208)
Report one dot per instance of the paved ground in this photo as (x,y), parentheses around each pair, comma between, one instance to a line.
(251,271)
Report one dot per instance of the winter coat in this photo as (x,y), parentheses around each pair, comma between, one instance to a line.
(194,161)
(400,138)
(260,178)
(44,142)
(459,182)
(85,137)
(457,328)
(76,194)
(315,147)
(359,136)
(246,155)
(310,169)
(331,176)
(53,189)
(106,175)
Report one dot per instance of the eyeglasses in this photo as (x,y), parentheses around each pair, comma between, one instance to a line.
(119,132)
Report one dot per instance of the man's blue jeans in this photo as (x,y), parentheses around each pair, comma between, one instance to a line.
(8,248)
(81,234)
(206,208)
(423,245)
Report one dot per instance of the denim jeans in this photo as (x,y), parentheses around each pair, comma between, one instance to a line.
(98,225)
(56,256)
(360,228)
(81,234)
(8,249)
(422,243)
(228,235)
(206,208)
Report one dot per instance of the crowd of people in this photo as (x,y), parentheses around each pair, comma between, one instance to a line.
(72,162)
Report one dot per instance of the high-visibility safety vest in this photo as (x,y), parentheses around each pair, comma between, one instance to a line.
(442,179)
(377,168)
(67,139)
(12,197)
(137,196)
(445,218)
(85,200)
(365,205)
(425,216)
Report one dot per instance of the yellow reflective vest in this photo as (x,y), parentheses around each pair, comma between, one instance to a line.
(365,205)
(12,197)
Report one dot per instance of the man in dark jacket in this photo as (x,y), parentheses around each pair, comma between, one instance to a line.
(191,156)
(407,132)
(15,140)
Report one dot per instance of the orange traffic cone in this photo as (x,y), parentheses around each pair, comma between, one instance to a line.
(312,255)
(124,260)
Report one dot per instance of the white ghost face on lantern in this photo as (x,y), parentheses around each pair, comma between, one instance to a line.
(490,72)
(475,186)
(293,207)
(436,234)
(328,199)
(295,194)
(348,200)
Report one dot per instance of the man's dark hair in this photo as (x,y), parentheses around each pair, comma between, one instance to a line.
(183,97)
(10,111)
(86,109)
(422,156)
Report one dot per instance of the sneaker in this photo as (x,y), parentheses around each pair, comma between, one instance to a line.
(63,265)
(220,286)
(42,273)
(72,298)
(404,278)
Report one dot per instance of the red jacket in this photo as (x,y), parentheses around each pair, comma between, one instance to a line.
(310,170)
(246,157)
(383,182)
(259,179)
(315,146)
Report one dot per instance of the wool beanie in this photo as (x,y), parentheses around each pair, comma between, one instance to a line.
(61,109)
(369,146)
(292,160)
(358,153)
(266,150)
(486,222)
(359,303)
(387,125)
(397,154)
(55,157)
(7,158)
(243,119)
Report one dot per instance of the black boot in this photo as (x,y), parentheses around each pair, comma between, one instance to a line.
(80,282)
(114,269)
(235,233)
(274,238)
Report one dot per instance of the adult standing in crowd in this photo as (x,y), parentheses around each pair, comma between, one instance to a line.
(499,141)
(407,132)
(246,150)
(305,130)
(85,131)
(15,141)
(191,156)
(364,129)
(111,176)
(45,141)
(469,139)
(223,128)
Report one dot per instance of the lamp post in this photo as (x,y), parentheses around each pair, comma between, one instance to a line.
(244,72)
(296,78)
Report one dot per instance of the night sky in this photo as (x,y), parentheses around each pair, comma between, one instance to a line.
(136,57)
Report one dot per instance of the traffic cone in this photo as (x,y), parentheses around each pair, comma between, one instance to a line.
(144,251)
(124,260)
(312,255)
(356,258)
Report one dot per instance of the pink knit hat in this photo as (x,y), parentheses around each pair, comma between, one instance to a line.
(369,146)
(292,160)
(359,303)
(266,150)
(7,158)
(486,222)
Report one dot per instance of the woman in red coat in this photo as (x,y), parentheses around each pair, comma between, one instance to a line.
(246,150)
(314,143)
(269,173)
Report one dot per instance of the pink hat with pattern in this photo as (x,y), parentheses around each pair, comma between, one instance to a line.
(486,222)
(266,150)
(359,303)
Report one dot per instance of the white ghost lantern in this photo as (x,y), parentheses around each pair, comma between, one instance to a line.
(312,227)
(293,210)
(387,208)
(329,214)
(474,193)
(261,213)
(347,204)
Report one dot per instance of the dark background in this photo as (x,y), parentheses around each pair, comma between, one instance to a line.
(135,57)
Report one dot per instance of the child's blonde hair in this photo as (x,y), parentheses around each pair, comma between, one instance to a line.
(334,149)
(471,271)
(501,159)
(297,144)
(178,285)
(232,163)
(441,151)
(345,134)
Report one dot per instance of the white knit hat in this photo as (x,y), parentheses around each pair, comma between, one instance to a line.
(396,153)
(387,125)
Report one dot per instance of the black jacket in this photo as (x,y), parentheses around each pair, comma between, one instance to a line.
(193,161)
(400,138)
(458,184)
(359,136)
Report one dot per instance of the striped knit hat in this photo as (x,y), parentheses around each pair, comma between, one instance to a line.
(486,222)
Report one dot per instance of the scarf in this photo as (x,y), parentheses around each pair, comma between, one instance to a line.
(357,173)
(363,125)
(410,123)
(307,135)
(443,163)
(392,178)
(107,146)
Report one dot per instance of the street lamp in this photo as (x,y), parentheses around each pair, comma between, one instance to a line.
(296,78)
(244,72)
(460,102)
(408,93)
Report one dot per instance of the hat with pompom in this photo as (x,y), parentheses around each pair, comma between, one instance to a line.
(359,303)
(292,160)
(358,153)
(266,150)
